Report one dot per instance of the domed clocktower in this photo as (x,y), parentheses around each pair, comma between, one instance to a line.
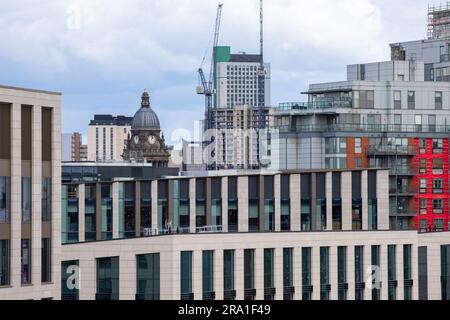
(146,143)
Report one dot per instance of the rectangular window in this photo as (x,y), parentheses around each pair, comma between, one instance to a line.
(269,274)
(5,199)
(392,272)
(423,166)
(325,287)
(407,272)
(148,277)
(356,201)
(438,206)
(438,186)
(228,275)
(253,203)
(305,191)
(288,276)
(249,274)
(4,262)
(359,273)
(106,202)
(376,285)
(208,275)
(432,123)
(337,201)
(342,273)
(358,148)
(397,99)
(46,200)
(423,185)
(70,287)
(411,99)
(186,275)
(200,211)
(46,260)
(90,208)
(438,100)
(285,203)
(306,274)
(438,145)
(423,273)
(26,199)
(107,278)
(26,261)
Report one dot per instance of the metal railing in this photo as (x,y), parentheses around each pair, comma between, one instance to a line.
(388,149)
(150,232)
(361,128)
(316,105)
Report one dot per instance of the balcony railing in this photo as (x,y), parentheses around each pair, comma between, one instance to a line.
(316,105)
(391,150)
(361,128)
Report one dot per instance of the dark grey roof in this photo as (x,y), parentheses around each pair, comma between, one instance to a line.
(109,120)
(247,58)
(145,118)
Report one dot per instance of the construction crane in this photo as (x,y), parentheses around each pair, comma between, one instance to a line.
(207,87)
(261,72)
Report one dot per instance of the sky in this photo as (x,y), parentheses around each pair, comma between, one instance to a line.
(101,54)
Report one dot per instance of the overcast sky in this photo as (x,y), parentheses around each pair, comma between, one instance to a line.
(101,54)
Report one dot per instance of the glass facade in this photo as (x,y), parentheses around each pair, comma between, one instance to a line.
(342,273)
(148,277)
(69,224)
(26,199)
(184,204)
(392,272)
(4,262)
(325,273)
(186,275)
(46,260)
(253,203)
(228,275)
(90,207)
(321,203)
(356,201)
(306,274)
(269,274)
(232,205)
(46,200)
(376,280)
(108,278)
(249,274)
(5,199)
(146,207)
(163,211)
(216,201)
(70,289)
(305,202)
(288,274)
(200,203)
(407,272)
(107,218)
(337,201)
(127,215)
(285,204)
(359,273)
(372,201)
(269,204)
(423,273)
(208,275)
(25,261)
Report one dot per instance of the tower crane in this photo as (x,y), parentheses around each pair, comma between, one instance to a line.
(207,87)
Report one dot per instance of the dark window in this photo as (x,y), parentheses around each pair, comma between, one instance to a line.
(46,200)
(4,262)
(200,210)
(359,273)
(90,209)
(5,199)
(106,228)
(70,282)
(148,277)
(356,201)
(26,261)
(305,202)
(269,204)
(269,274)
(321,202)
(372,201)
(163,213)
(146,207)
(342,273)
(407,272)
(306,274)
(216,201)
(108,279)
(129,216)
(411,99)
(46,261)
(392,272)
(253,203)
(249,274)
(376,280)
(423,273)
(325,273)
(186,275)
(337,201)
(26,200)
(228,275)
(232,205)
(288,277)
(208,275)
(285,204)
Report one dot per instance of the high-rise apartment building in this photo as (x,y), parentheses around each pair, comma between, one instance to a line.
(107,137)
(30,193)
(392,114)
(72,147)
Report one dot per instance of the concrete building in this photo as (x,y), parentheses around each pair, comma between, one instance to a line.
(107,137)
(392,114)
(30,196)
(227,235)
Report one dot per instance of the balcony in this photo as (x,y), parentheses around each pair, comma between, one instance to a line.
(402,171)
(322,104)
(362,128)
(391,150)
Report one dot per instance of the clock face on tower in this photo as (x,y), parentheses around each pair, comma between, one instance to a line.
(152,139)
(136,139)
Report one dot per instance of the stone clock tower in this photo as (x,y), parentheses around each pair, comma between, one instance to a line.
(146,143)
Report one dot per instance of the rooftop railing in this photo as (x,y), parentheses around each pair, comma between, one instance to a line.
(362,128)
(316,105)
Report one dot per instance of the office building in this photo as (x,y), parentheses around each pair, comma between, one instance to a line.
(30,193)
(107,137)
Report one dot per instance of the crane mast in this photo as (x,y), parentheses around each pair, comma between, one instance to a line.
(261,73)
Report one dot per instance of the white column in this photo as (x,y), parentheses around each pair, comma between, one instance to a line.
(365,200)
(277,194)
(225,204)
(81,212)
(239,274)
(243,204)
(384,272)
(88,276)
(333,271)
(315,270)
(197,279)
(329,196)
(259,273)
(154,191)
(115,209)
(192,206)
(36,186)
(170,275)
(127,277)
(295,201)
(218,274)
(279,273)
(346,194)
(298,273)
(383,199)
(16,194)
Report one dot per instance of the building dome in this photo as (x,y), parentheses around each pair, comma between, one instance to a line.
(145,118)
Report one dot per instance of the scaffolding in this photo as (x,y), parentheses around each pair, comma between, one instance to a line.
(439,21)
